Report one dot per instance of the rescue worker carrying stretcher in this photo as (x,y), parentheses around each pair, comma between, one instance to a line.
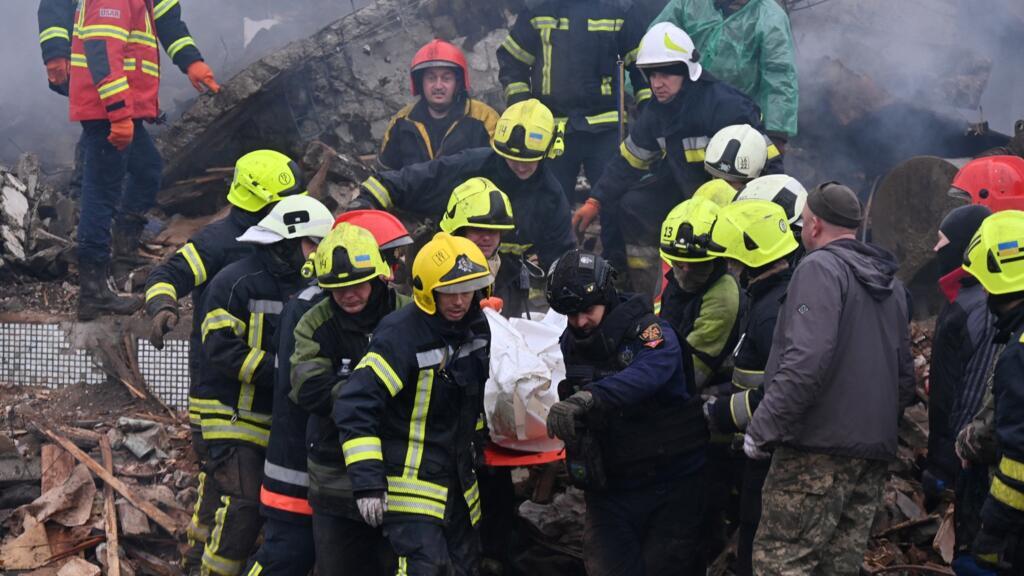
(633,428)
(241,312)
(410,409)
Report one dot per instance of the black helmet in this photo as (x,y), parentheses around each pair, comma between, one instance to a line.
(579,280)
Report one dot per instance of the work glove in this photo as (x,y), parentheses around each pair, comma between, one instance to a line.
(753,451)
(164,321)
(58,70)
(372,508)
(708,409)
(122,133)
(972,448)
(563,415)
(202,77)
(494,303)
(585,216)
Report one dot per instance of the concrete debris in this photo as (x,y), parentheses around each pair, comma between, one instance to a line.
(68,504)
(79,567)
(29,550)
(142,437)
(27,209)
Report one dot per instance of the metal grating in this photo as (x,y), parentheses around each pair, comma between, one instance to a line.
(166,371)
(42,355)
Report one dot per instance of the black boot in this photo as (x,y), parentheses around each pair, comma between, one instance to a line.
(95,297)
(127,233)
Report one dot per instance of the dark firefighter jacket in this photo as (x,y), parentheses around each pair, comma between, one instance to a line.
(328,346)
(285,479)
(56,24)
(764,297)
(1003,512)
(644,417)
(512,285)
(470,124)
(566,52)
(409,412)
(708,323)
(241,312)
(188,271)
(669,139)
(540,209)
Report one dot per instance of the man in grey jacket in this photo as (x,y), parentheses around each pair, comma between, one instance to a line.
(838,375)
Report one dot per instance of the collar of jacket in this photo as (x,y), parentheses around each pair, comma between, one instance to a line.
(675,114)
(454,333)
(951,283)
(764,285)
(460,107)
(600,345)
(507,181)
(1007,324)
(382,303)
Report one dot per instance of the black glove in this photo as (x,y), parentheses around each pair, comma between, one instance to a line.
(563,415)
(163,322)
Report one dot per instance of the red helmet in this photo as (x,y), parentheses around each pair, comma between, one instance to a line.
(438,53)
(385,227)
(993,181)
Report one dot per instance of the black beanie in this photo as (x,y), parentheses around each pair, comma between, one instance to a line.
(959,227)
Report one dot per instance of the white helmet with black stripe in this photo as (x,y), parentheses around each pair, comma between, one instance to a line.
(736,153)
(781,189)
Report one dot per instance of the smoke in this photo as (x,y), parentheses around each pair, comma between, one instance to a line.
(230,34)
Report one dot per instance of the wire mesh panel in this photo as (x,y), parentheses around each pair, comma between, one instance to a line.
(42,355)
(166,371)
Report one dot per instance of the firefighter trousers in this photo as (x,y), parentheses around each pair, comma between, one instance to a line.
(198,531)
(287,550)
(430,549)
(350,547)
(236,470)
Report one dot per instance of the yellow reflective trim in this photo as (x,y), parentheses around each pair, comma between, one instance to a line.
(516,88)
(256,569)
(773,151)
(255,336)
(1007,495)
(113,88)
(604,118)
(414,505)
(657,308)
(179,44)
(472,497)
(79,61)
(139,37)
(129,64)
(151,68)
(518,52)
(212,561)
(101,31)
(632,159)
(161,289)
(197,531)
(220,318)
(1012,468)
(385,373)
(480,424)
(549,22)
(747,379)
(219,429)
(163,7)
(195,262)
(207,406)
(694,155)
(630,56)
(359,449)
(378,191)
(418,422)
(514,249)
(246,374)
(54,32)
(604,25)
(403,566)
(643,94)
(412,486)
(545,70)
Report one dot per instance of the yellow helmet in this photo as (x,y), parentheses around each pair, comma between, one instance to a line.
(264,177)
(526,132)
(347,256)
(448,264)
(755,232)
(718,191)
(686,231)
(477,203)
(995,255)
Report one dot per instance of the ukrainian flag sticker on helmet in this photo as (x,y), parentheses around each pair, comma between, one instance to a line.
(362,258)
(1007,249)
(536,136)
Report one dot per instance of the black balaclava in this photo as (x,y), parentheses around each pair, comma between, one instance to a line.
(959,226)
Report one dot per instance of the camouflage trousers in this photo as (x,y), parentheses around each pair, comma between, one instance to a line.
(816,514)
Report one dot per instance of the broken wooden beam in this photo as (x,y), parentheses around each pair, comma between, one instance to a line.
(110,512)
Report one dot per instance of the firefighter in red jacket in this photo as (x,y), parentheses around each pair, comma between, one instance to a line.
(114,84)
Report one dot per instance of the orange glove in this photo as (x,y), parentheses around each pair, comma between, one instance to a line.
(494,303)
(58,70)
(202,77)
(585,216)
(122,133)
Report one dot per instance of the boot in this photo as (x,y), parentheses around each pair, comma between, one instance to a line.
(95,297)
(126,237)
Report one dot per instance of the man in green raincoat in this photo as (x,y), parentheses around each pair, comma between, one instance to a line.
(748,44)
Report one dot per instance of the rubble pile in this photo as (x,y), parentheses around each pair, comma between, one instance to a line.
(35,223)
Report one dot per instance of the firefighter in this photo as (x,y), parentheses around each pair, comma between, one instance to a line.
(993,257)
(565,53)
(391,235)
(756,235)
(626,389)
(481,212)
(526,135)
(668,141)
(787,192)
(113,82)
(736,154)
(409,411)
(444,120)
(241,312)
(261,179)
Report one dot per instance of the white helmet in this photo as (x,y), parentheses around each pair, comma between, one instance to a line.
(737,152)
(292,217)
(781,189)
(665,44)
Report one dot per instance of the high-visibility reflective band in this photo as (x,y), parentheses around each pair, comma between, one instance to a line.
(102,31)
(637,157)
(694,147)
(475,345)
(549,22)
(739,408)
(218,429)
(195,418)
(1012,469)
(403,566)
(773,151)
(79,61)
(218,319)
(54,32)
(284,502)
(266,306)
(151,68)
(418,421)
(359,449)
(657,307)
(545,67)
(113,88)
(245,374)
(144,38)
(480,423)
(1007,495)
(643,94)
(162,7)
(516,88)
(604,118)
(429,358)
(378,191)
(412,486)
(747,379)
(255,335)
(606,85)
(518,52)
(413,505)
(213,562)
(604,25)
(472,497)
(207,406)
(197,531)
(513,248)
(256,569)
(161,289)
(179,44)
(195,262)
(385,373)
(630,56)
